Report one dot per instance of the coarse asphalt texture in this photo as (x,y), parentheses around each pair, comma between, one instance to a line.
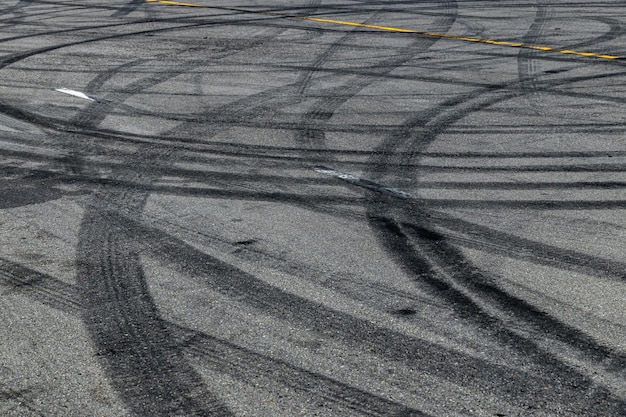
(312,208)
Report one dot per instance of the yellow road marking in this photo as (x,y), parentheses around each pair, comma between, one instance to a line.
(175,3)
(400,30)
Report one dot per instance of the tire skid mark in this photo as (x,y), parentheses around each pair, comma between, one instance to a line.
(128,8)
(226,357)
(305,78)
(151,374)
(109,161)
(63,126)
(526,65)
(616,30)
(504,243)
(21,11)
(18,56)
(143,363)
(40,287)
(94,114)
(239,184)
(434,359)
(457,280)
(419,133)
(441,269)
(452,277)
(16,9)
(314,122)
(461,272)
(137,351)
(247,364)
(526,249)
(147,21)
(147,188)
(323,110)
(7,60)
(235,113)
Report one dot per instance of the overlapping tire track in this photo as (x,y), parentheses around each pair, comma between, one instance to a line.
(410,235)
(120,253)
(239,362)
(137,349)
(150,374)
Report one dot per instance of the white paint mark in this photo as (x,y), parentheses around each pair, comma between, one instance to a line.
(362,183)
(81,95)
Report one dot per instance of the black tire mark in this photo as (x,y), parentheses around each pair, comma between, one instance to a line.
(61,125)
(419,133)
(151,376)
(616,30)
(40,287)
(305,78)
(436,360)
(129,7)
(513,246)
(15,9)
(310,131)
(525,63)
(425,253)
(248,365)
(236,361)
(138,352)
(120,314)
(235,112)
(474,281)
(324,109)
(21,11)
(18,196)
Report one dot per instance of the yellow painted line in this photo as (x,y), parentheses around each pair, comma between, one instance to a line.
(401,30)
(175,3)
(360,25)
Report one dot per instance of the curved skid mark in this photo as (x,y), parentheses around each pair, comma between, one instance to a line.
(225,357)
(441,268)
(402,30)
(128,8)
(123,256)
(436,360)
(142,360)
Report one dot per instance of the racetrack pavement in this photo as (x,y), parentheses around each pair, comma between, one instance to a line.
(316,208)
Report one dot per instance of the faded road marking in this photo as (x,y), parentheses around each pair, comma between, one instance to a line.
(401,30)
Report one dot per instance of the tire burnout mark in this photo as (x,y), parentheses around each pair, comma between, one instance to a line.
(128,8)
(108,252)
(143,362)
(442,269)
(453,278)
(525,63)
(124,322)
(434,359)
(403,250)
(148,369)
(241,363)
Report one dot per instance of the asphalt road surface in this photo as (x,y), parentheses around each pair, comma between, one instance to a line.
(312,208)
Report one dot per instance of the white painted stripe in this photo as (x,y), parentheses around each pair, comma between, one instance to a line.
(74,93)
(362,183)
(82,95)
